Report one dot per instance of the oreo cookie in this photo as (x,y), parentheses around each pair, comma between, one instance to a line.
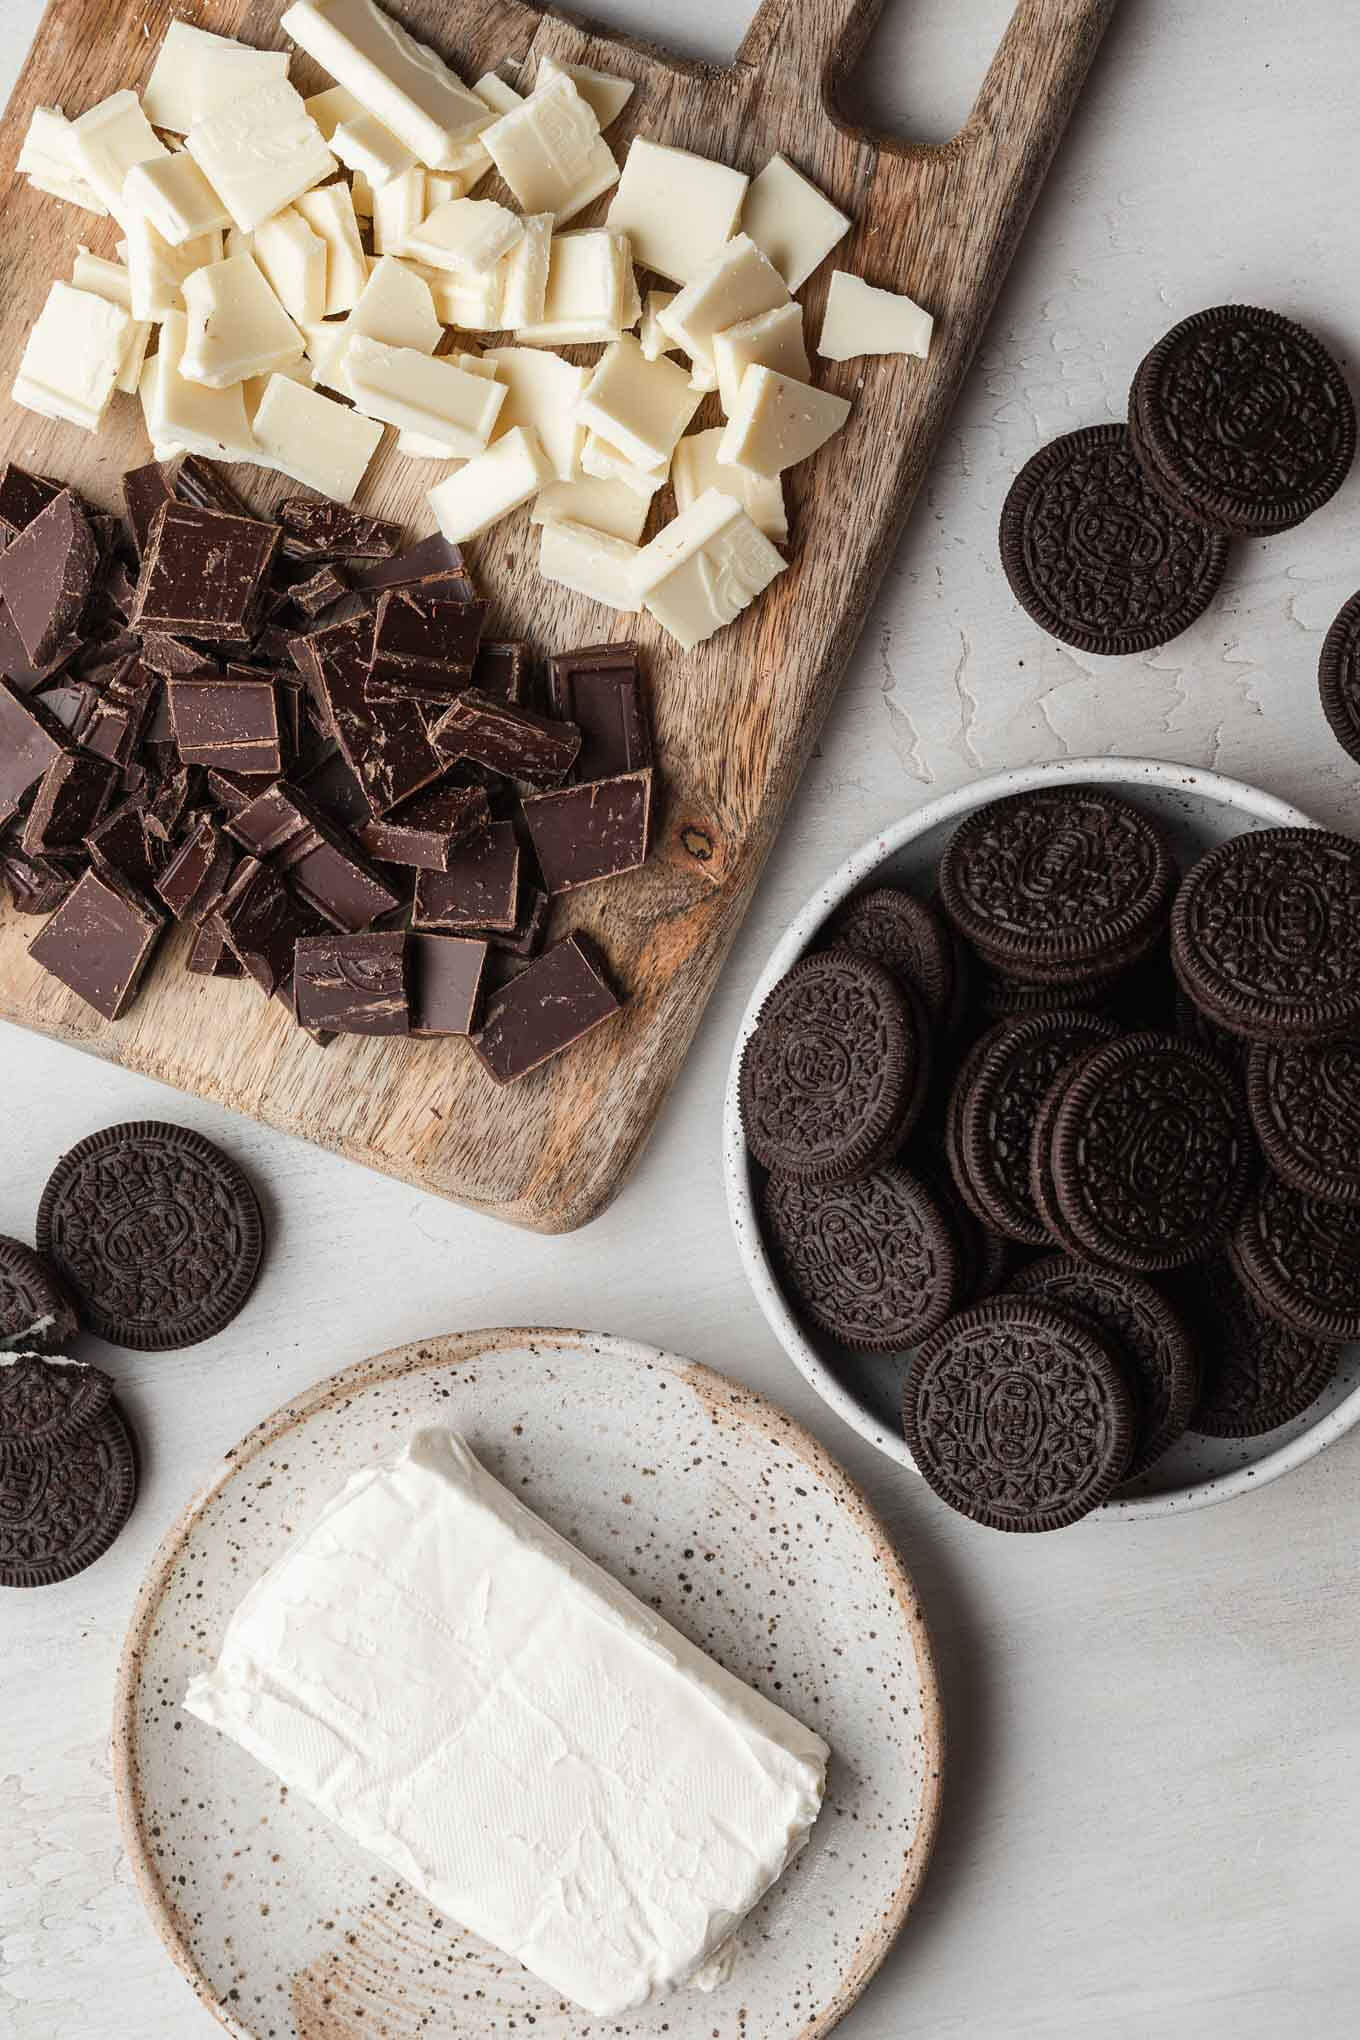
(1256,1373)
(44,1403)
(1097,556)
(61,1507)
(1304,1100)
(1242,420)
(1339,677)
(894,928)
(1018,1415)
(35,1311)
(1298,1258)
(874,1263)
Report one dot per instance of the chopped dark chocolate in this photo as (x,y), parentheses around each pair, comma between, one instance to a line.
(424,645)
(330,529)
(71,703)
(526,938)
(144,491)
(513,741)
(262,921)
(599,689)
(19,669)
(119,590)
(353,984)
(36,885)
(427,830)
(501,669)
(209,955)
(22,496)
(478,891)
(73,794)
(274,644)
(99,942)
(231,792)
(202,483)
(46,575)
(589,832)
(281,827)
(179,793)
(387,747)
(332,785)
(229,720)
(193,882)
(30,741)
(122,846)
(433,555)
(445,982)
(553,1002)
(168,655)
(203,572)
(319,591)
(119,720)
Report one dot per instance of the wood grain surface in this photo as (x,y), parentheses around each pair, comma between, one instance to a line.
(735,720)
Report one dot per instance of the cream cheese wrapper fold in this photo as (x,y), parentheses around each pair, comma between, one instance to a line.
(540,1756)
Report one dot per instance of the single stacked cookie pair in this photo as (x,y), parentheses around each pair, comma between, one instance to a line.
(1115,539)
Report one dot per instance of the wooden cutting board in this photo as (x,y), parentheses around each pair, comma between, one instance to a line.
(735,720)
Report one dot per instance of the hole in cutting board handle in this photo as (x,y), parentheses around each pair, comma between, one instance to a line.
(922,66)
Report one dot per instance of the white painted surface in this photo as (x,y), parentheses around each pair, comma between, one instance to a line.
(1154,1782)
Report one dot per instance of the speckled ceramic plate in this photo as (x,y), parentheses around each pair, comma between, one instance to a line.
(1198,809)
(710,1504)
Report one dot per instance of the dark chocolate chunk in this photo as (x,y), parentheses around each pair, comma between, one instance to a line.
(168,655)
(262,921)
(22,496)
(74,792)
(526,938)
(445,974)
(209,955)
(124,847)
(424,645)
(202,483)
(512,741)
(194,880)
(478,891)
(36,885)
(435,555)
(121,716)
(332,529)
(172,804)
(501,669)
(144,490)
(353,984)
(70,702)
(387,748)
(30,741)
(331,785)
(99,942)
(589,832)
(203,573)
(46,575)
(600,690)
(553,1002)
(16,666)
(319,591)
(428,829)
(282,827)
(229,720)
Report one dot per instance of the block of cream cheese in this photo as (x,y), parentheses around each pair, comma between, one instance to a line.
(363,143)
(195,72)
(260,150)
(541,391)
(591,563)
(293,259)
(72,358)
(677,209)
(330,213)
(50,159)
(410,89)
(774,339)
(550,152)
(507,1728)
(604,92)
(696,468)
(418,393)
(467,235)
(110,139)
(778,421)
(791,220)
(611,507)
(316,441)
(861,319)
(175,196)
(640,406)
(704,567)
(491,486)
(110,280)
(236,327)
(734,284)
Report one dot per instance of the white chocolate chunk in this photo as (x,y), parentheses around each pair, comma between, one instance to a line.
(50,159)
(417,393)
(363,143)
(609,463)
(420,445)
(196,72)
(316,441)
(261,150)
(326,343)
(655,341)
(330,109)
(110,280)
(466,235)
(189,415)
(395,306)
(471,303)
(156,271)
(773,339)
(677,209)
(524,273)
(72,357)
(236,326)
(585,290)
(175,196)
(398,208)
(549,151)
(404,82)
(860,319)
(631,314)
(542,392)
(254,387)
(605,93)
(491,486)
(110,139)
(778,421)
(591,563)
(696,468)
(293,260)
(704,568)
(330,214)
(737,283)
(610,507)
(639,406)
(790,219)
(440,187)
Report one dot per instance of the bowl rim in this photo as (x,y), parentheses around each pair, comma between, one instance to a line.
(859,866)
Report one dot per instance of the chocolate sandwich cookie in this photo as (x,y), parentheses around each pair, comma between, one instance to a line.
(155,1231)
(1265,935)
(1339,677)
(1304,1100)
(894,928)
(1255,1372)
(874,1263)
(1298,1258)
(834,1073)
(1058,886)
(1242,420)
(1150,1153)
(1043,1194)
(998,997)
(62,1507)
(1018,1415)
(44,1403)
(35,1311)
(1146,1334)
(1096,555)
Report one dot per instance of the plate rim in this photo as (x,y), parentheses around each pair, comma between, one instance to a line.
(1130,773)
(455,1349)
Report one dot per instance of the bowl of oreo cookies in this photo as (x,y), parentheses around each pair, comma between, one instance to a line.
(1042,1141)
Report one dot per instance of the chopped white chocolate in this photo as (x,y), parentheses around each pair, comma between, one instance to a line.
(109,140)
(677,209)
(410,88)
(491,486)
(604,92)
(472,303)
(417,393)
(175,196)
(524,273)
(495,93)
(398,208)
(363,143)
(704,567)
(189,415)
(156,271)
(440,187)
(110,280)
(791,220)
(293,260)
(395,306)
(584,296)
(330,213)
(630,315)
(550,152)
(316,441)
(261,150)
(591,563)
(361,194)
(611,507)
(773,339)
(254,387)
(735,284)
(326,344)
(50,160)
(236,326)
(778,421)
(331,108)
(861,319)
(655,341)
(696,468)
(639,406)
(196,72)
(467,235)
(611,464)
(74,352)
(542,392)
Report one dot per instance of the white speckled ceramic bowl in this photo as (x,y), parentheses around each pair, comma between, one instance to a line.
(704,1499)
(1198,809)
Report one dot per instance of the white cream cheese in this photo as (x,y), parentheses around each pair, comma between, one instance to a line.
(539,1755)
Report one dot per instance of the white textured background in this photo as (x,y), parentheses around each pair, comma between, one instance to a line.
(1154,1782)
